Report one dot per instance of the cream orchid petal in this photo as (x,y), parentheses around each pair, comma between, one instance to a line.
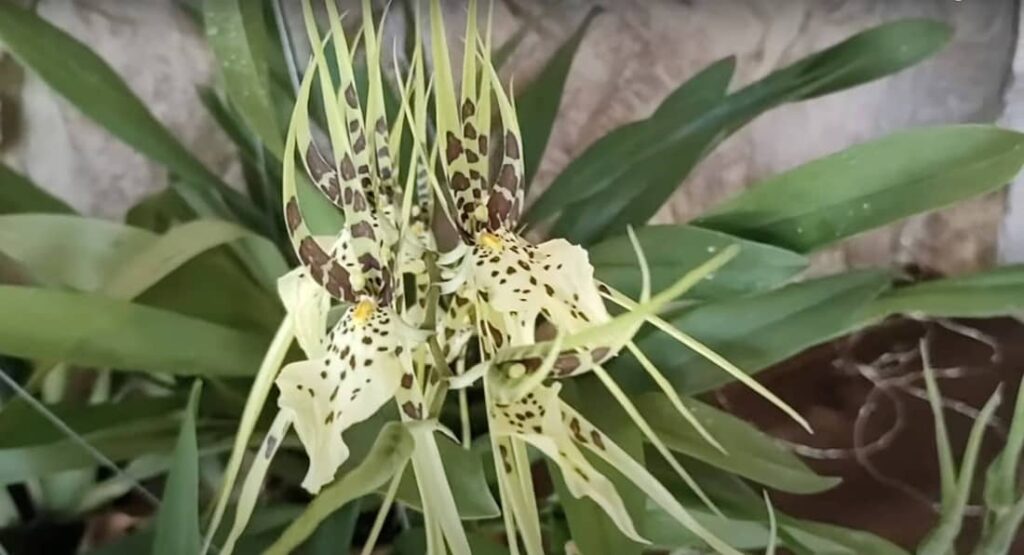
(308,304)
(538,420)
(361,371)
(589,436)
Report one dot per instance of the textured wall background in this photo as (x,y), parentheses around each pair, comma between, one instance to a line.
(634,54)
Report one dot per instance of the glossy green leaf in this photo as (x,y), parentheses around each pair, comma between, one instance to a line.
(388,455)
(177,522)
(592,530)
(465,472)
(749,452)
(622,172)
(639,165)
(756,331)
(995,292)
(236,32)
(673,250)
(86,81)
(538,103)
(92,330)
(870,185)
(18,194)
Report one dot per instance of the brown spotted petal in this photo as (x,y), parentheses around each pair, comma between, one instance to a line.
(364,366)
(522,281)
(537,419)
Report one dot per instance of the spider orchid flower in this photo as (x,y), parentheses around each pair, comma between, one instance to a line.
(369,357)
(537,309)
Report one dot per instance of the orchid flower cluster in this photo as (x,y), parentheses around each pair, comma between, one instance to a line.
(495,311)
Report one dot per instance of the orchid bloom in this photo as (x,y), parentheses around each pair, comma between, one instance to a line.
(369,357)
(537,310)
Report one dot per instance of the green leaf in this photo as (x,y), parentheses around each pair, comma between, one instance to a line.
(872,184)
(159,211)
(389,455)
(749,452)
(18,194)
(125,441)
(73,251)
(756,331)
(942,539)
(538,104)
(673,250)
(592,530)
(236,32)
(465,472)
(87,82)
(622,172)
(173,249)
(745,520)
(645,161)
(995,292)
(828,539)
(1001,477)
(22,425)
(92,330)
(334,534)
(86,254)
(177,522)
(414,542)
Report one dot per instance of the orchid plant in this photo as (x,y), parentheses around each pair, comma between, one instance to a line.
(447,354)
(535,313)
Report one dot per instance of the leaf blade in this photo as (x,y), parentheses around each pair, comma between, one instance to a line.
(121,335)
(18,194)
(236,32)
(177,522)
(671,251)
(870,185)
(538,103)
(756,331)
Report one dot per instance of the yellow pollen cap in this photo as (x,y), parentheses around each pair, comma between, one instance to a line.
(364,310)
(491,241)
